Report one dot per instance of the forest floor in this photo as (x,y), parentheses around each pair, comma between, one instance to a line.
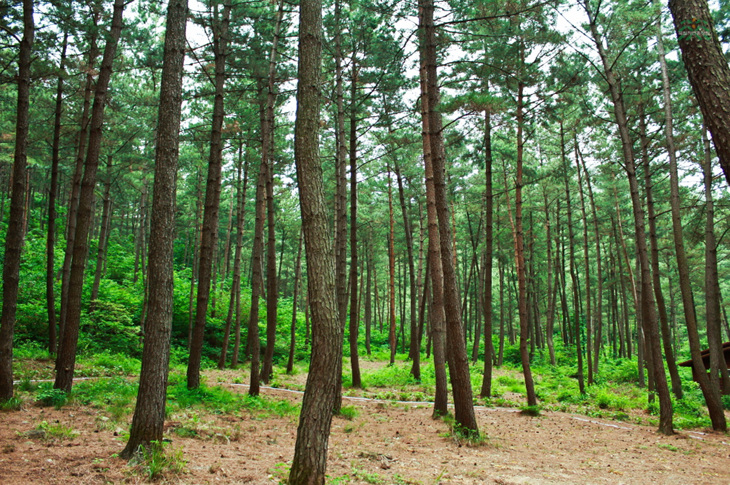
(384,442)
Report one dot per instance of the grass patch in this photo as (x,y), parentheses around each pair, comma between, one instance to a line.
(158,460)
(462,435)
(54,431)
(12,404)
(349,412)
(48,396)
(533,411)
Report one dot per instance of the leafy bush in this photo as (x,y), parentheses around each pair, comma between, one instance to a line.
(110,328)
(52,397)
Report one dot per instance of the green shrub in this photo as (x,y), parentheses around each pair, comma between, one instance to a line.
(157,460)
(48,396)
(110,328)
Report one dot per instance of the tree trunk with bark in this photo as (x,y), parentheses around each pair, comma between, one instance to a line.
(235,297)
(69,341)
(718,368)
(267,136)
(354,307)
(14,238)
(310,451)
(149,412)
(73,203)
(456,349)
(707,69)
(52,195)
(486,390)
(654,245)
(649,317)
(710,392)
(209,236)
(297,277)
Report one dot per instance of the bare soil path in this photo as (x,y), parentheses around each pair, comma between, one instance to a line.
(385,443)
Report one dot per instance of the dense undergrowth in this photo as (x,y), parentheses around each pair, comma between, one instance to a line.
(112,387)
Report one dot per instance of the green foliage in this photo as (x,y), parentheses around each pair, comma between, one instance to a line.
(348,412)
(13,404)
(30,351)
(113,395)
(533,411)
(108,364)
(222,401)
(47,396)
(110,328)
(56,431)
(462,435)
(159,460)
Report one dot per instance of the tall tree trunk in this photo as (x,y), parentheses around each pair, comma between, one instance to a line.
(552,287)
(209,236)
(310,451)
(14,238)
(52,194)
(707,69)
(599,267)
(456,349)
(103,236)
(73,202)
(649,317)
(718,367)
(67,349)
(437,315)
(391,272)
(654,245)
(586,261)
(520,254)
(340,177)
(368,298)
(267,135)
(149,412)
(710,392)
(486,390)
(297,276)
(414,352)
(573,271)
(354,307)
(235,297)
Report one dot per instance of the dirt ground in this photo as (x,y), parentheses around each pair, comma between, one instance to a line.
(386,443)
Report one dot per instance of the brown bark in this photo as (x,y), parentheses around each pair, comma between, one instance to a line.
(354,307)
(391,273)
(486,390)
(456,349)
(573,271)
(69,341)
(711,393)
(340,177)
(235,297)
(103,240)
(718,368)
(654,247)
(649,317)
(707,69)
(310,452)
(73,202)
(297,277)
(149,412)
(414,352)
(52,195)
(437,316)
(586,262)
(267,135)
(209,236)
(14,238)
